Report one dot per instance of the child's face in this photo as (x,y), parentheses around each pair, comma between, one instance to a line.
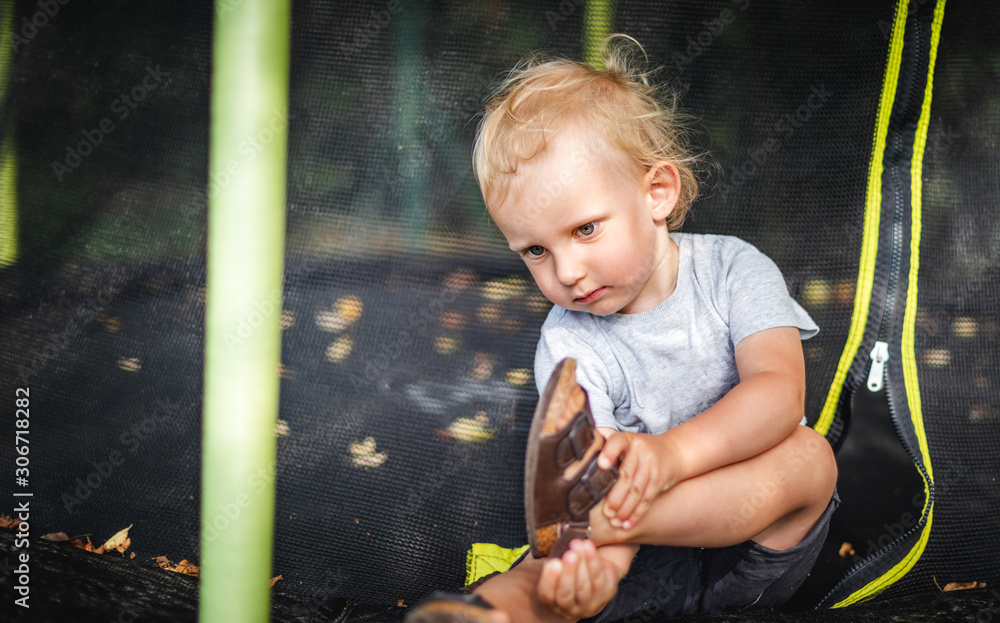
(593,237)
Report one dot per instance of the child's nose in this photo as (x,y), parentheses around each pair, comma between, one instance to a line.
(570,269)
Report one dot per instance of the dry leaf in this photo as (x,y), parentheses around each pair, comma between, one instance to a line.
(56,536)
(162,562)
(846,550)
(275,580)
(400,604)
(119,542)
(186,568)
(961,586)
(6,521)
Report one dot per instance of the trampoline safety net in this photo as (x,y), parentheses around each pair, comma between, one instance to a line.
(857,147)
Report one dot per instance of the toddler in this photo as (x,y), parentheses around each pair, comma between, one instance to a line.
(701,490)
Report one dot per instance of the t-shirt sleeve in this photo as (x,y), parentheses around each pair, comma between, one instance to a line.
(757,296)
(592,374)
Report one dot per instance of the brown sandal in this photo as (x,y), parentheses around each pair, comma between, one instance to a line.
(561,479)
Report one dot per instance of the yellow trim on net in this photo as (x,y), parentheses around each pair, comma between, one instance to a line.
(483,559)
(910,380)
(873,209)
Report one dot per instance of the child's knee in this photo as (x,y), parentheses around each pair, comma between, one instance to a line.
(810,454)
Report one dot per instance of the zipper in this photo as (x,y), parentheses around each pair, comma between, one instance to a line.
(879,355)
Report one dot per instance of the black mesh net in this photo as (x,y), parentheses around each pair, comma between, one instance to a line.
(408,327)
(959,295)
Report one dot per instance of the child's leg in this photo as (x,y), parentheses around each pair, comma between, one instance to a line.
(576,586)
(774,499)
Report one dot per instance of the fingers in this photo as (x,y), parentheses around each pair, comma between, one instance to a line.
(614,446)
(639,479)
(643,487)
(579,584)
(625,495)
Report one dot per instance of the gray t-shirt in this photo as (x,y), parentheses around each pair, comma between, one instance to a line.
(650,371)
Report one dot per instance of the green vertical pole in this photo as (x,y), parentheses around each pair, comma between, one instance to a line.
(598,23)
(8,152)
(410,104)
(246,234)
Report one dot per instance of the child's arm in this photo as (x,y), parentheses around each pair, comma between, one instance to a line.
(760,412)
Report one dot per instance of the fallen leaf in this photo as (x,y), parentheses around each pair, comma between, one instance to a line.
(846,550)
(275,580)
(131,556)
(471,430)
(400,604)
(6,521)
(962,586)
(363,453)
(56,536)
(162,562)
(187,568)
(119,542)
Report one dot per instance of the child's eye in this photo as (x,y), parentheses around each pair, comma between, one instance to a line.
(535,250)
(586,230)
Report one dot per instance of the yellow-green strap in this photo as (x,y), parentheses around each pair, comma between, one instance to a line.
(483,559)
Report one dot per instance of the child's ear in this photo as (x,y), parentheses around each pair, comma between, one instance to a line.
(662,185)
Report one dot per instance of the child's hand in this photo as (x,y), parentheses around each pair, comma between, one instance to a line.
(650,465)
(579,584)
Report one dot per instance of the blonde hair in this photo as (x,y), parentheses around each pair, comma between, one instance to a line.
(540,96)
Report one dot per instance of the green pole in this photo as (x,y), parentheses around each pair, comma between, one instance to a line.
(411,103)
(246,234)
(8,153)
(598,23)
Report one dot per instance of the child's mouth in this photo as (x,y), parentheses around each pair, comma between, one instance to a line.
(592,296)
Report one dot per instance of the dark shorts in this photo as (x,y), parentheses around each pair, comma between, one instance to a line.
(685,580)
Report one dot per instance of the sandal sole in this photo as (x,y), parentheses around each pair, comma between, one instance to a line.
(578,448)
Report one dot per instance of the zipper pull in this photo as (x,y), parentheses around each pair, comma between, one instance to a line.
(879,355)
